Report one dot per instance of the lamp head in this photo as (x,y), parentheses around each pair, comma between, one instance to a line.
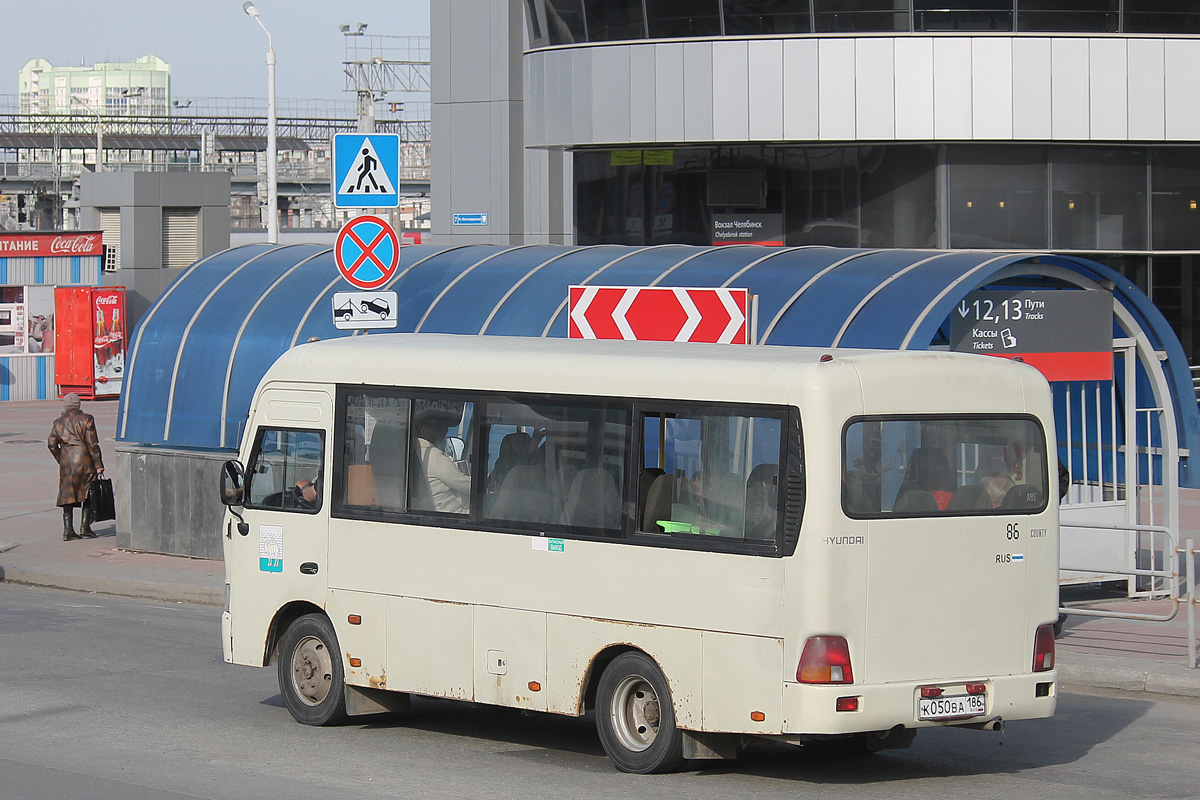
(344,28)
(249,8)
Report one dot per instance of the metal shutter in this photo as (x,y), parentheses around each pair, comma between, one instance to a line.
(110,226)
(180,237)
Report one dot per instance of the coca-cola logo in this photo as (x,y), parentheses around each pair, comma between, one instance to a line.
(73,245)
(106,300)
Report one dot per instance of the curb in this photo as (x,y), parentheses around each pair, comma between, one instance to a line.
(120,587)
(1168,679)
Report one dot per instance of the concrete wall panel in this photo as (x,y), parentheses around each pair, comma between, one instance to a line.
(668,78)
(800,95)
(948,88)
(1109,89)
(1182,63)
(766,89)
(952,88)
(913,85)
(642,102)
(874,89)
(610,95)
(1145,62)
(730,91)
(580,108)
(836,104)
(1070,91)
(697,91)
(991,88)
(1031,89)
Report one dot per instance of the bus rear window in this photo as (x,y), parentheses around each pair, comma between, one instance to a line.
(939,466)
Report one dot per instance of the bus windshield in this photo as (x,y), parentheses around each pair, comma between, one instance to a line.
(918,467)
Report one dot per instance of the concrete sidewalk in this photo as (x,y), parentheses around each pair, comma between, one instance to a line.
(1104,653)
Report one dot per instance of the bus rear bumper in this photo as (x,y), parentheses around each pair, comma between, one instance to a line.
(810,709)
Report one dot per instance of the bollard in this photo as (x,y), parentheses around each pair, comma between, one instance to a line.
(1190,570)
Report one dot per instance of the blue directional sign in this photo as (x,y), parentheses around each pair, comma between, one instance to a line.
(478,218)
(366,170)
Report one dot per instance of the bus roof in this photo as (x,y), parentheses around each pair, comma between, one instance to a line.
(728,373)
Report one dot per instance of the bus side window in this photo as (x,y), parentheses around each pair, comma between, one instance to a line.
(373,469)
(710,475)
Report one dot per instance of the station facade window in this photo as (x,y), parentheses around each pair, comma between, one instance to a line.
(578,21)
(1112,204)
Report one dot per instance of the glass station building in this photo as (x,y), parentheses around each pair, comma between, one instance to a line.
(1064,126)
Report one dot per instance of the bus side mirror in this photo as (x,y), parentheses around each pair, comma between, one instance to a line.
(232,483)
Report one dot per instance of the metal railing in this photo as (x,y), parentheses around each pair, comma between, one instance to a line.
(1178,573)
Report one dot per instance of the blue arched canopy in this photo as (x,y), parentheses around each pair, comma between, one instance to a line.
(198,354)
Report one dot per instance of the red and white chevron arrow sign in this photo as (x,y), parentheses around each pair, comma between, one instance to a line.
(659,314)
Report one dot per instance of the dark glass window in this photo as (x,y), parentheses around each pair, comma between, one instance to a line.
(822,196)
(1175,181)
(1176,291)
(899,196)
(851,16)
(284,472)
(1099,198)
(997,197)
(668,19)
(710,475)
(1162,16)
(929,467)
(759,17)
(962,15)
(565,21)
(615,19)
(1087,16)
(556,464)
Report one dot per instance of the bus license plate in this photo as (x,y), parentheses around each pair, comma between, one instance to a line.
(952,707)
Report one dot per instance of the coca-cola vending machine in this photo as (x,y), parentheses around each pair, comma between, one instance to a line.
(90,340)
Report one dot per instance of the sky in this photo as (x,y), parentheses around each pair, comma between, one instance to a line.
(214,49)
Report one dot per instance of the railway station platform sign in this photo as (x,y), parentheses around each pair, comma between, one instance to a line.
(1066,334)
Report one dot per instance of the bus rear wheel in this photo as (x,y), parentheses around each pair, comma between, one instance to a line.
(635,717)
(311,678)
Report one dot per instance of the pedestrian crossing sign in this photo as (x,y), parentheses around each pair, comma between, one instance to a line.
(366,170)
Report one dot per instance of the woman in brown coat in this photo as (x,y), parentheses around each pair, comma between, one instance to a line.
(75,447)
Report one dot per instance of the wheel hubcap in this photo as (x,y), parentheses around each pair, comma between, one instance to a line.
(635,713)
(312,671)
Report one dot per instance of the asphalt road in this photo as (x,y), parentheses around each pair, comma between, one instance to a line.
(103,697)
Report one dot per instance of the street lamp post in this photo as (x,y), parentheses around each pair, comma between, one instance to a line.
(99,133)
(272,154)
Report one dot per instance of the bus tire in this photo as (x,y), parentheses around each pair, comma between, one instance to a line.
(635,717)
(311,678)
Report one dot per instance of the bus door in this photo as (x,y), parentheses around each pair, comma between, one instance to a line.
(283,555)
(951,505)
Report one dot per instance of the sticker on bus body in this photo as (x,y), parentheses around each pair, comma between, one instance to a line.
(551,545)
(270,548)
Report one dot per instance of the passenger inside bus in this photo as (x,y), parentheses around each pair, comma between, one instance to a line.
(449,487)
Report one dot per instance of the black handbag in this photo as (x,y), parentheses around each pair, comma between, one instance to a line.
(100,500)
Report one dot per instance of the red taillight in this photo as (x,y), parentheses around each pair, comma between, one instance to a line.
(976,688)
(1043,649)
(931,691)
(826,659)
(846,704)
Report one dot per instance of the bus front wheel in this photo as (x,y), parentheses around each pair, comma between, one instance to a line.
(311,679)
(635,718)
